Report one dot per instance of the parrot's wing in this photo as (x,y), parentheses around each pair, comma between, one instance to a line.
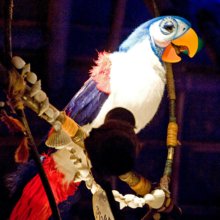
(86,104)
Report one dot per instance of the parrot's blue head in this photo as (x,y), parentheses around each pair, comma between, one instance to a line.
(168,36)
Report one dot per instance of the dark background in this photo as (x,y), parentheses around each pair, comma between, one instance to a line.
(61,39)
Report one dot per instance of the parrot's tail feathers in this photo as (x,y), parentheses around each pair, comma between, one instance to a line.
(17,180)
(33,203)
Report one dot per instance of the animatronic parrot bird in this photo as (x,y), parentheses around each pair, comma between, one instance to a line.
(133,78)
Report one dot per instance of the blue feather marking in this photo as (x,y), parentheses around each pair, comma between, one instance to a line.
(142,32)
(86,104)
(138,35)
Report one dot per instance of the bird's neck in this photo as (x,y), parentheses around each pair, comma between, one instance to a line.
(158,51)
(143,56)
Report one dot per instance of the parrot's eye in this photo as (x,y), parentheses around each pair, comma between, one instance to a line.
(167,26)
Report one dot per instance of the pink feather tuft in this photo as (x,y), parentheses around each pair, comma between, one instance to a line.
(101,72)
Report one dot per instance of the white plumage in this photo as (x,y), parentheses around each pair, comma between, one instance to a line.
(137,83)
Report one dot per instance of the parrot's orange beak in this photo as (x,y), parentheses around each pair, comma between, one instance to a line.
(188,41)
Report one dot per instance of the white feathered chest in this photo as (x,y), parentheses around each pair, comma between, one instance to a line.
(137,83)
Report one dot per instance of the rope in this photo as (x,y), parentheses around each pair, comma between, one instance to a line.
(172,129)
(172,132)
(136,182)
(170,82)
